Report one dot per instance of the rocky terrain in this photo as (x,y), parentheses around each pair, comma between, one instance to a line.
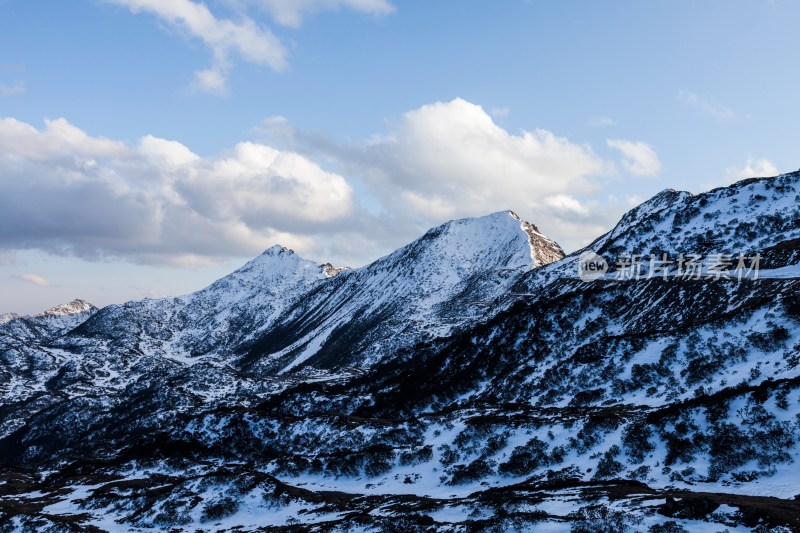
(469,381)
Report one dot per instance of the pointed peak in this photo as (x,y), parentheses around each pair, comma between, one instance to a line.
(71,308)
(497,240)
(278,249)
(668,194)
(270,257)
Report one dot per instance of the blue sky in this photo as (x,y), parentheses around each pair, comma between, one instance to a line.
(148,147)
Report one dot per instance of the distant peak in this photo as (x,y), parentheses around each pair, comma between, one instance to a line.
(71,308)
(8,317)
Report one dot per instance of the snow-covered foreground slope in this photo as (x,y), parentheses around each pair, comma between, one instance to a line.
(447,386)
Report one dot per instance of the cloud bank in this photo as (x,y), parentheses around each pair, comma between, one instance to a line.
(65,191)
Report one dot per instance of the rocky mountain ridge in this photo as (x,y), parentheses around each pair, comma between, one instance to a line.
(457,384)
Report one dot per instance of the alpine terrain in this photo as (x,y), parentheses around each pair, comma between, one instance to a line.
(474,380)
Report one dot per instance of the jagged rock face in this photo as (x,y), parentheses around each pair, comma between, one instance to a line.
(556,403)
(543,249)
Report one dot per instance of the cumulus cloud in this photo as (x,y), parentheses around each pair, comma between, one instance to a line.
(639,157)
(291,12)
(753,168)
(454,155)
(710,107)
(450,159)
(157,201)
(34,279)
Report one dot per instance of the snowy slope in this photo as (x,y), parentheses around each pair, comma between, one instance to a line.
(460,383)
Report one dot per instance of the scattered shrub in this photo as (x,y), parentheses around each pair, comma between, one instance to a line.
(526,459)
(636,440)
(608,466)
(476,470)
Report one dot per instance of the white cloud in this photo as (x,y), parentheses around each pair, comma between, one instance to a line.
(753,168)
(500,112)
(450,159)
(567,204)
(157,201)
(632,200)
(13,89)
(640,158)
(213,80)
(58,139)
(243,38)
(453,154)
(708,106)
(291,12)
(36,280)
(598,122)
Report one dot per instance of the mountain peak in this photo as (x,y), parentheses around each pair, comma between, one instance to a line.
(278,249)
(499,240)
(74,307)
(8,317)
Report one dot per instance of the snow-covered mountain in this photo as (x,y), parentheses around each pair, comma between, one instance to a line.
(46,325)
(468,381)
(424,290)
(7,317)
(212,321)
